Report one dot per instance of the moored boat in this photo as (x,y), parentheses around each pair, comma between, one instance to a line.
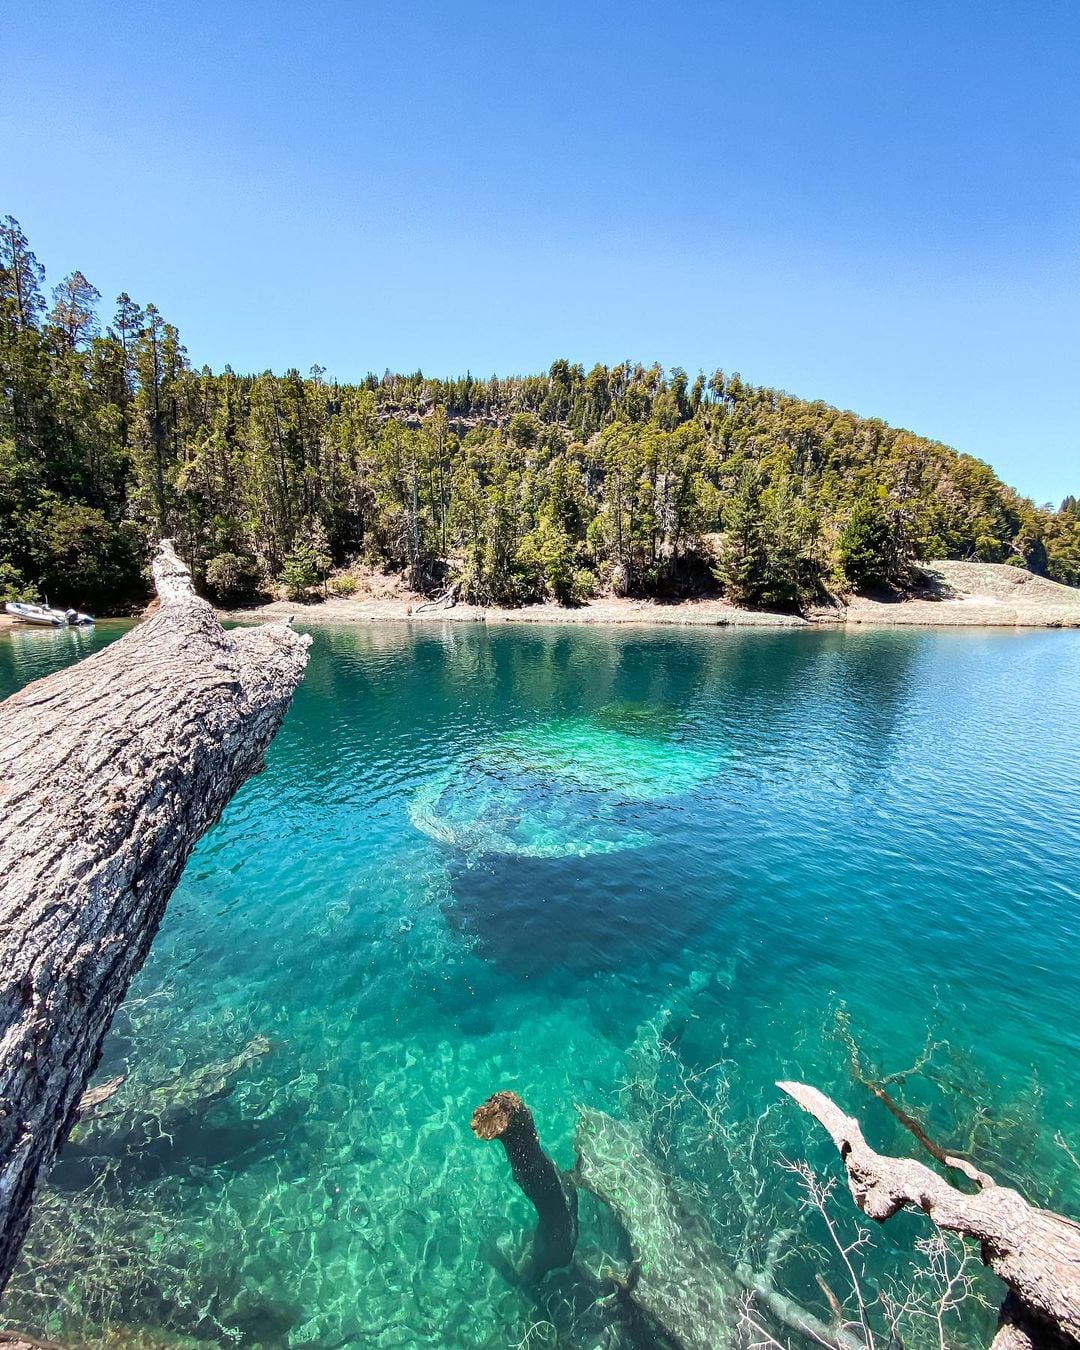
(44,617)
(35,614)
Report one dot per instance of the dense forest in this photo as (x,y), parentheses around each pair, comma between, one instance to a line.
(625,479)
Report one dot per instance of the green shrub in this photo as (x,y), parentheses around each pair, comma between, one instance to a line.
(300,573)
(233,578)
(14,586)
(344,585)
(585,584)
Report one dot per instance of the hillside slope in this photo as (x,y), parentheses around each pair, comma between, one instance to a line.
(971,594)
(555,487)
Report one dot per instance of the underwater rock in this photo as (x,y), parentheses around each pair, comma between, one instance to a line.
(263,1320)
(483,812)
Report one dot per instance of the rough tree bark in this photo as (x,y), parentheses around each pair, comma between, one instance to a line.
(505,1117)
(110,772)
(1035,1252)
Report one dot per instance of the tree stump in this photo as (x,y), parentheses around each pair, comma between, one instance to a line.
(505,1117)
(110,773)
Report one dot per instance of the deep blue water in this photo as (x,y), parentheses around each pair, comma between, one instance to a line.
(646,871)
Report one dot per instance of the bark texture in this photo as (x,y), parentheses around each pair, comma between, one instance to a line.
(1035,1252)
(110,772)
(505,1117)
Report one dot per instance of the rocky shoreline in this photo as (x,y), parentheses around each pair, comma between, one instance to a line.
(955,595)
(612,610)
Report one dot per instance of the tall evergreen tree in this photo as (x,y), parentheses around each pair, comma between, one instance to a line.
(742,568)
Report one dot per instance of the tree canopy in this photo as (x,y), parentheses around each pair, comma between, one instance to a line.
(625,478)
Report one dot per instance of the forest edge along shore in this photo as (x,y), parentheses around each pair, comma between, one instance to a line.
(955,594)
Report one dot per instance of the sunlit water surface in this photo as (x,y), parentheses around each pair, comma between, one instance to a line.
(587,865)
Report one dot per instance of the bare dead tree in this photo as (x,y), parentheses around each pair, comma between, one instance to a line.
(1035,1252)
(110,773)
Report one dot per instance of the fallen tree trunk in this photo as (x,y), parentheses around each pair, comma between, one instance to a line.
(125,1111)
(1034,1251)
(680,1287)
(110,772)
(679,1282)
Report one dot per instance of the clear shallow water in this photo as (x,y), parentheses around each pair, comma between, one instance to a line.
(587,865)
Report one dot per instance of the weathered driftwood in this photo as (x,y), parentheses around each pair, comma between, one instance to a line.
(110,772)
(505,1117)
(445,601)
(680,1286)
(1035,1252)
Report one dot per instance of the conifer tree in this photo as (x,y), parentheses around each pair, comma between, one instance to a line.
(743,562)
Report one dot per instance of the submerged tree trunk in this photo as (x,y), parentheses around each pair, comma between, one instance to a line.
(678,1284)
(505,1117)
(110,772)
(1034,1251)
(680,1290)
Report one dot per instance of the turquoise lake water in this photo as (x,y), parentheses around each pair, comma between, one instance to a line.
(643,871)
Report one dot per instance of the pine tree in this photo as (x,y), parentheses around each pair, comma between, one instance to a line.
(743,562)
(74,311)
(866,547)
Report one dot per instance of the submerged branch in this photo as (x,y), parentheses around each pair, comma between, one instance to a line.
(1035,1252)
(905,1118)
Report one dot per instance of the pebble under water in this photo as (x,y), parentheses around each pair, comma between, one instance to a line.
(639,872)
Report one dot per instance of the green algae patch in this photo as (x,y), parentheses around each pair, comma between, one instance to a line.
(591,754)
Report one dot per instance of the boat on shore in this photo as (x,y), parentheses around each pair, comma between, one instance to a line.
(43,617)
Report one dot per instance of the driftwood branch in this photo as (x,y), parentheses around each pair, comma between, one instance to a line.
(1035,1252)
(110,772)
(445,601)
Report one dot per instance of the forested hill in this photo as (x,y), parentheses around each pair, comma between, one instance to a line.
(625,478)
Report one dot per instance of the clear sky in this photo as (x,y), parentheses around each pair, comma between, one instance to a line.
(874,204)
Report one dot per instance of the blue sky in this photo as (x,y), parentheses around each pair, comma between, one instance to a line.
(877,205)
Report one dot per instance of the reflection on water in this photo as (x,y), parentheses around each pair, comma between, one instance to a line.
(642,872)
